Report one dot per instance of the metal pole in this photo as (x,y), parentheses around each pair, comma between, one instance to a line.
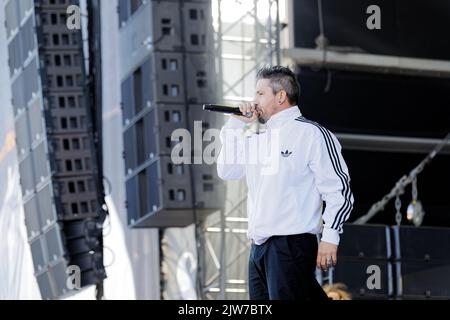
(222,212)
(270,38)
(219,51)
(278,34)
(257,42)
(222,270)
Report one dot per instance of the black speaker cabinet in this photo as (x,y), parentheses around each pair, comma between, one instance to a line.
(422,262)
(365,242)
(365,278)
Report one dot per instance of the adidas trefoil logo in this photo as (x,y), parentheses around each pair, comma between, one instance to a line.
(286,153)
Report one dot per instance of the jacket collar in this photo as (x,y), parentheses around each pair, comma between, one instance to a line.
(278,119)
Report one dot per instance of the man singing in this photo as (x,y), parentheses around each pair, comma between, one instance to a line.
(298,168)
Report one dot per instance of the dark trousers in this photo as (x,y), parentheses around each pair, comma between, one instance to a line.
(283,268)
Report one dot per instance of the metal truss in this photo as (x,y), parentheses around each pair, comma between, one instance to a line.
(244,42)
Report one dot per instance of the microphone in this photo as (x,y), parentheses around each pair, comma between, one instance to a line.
(225,109)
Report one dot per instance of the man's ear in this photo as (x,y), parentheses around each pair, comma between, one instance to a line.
(281,96)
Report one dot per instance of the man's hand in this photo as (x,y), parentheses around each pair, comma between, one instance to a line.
(247,107)
(326,255)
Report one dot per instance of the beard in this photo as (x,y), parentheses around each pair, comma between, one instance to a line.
(261,120)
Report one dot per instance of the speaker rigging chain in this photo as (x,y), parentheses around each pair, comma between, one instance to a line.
(398,205)
(414,189)
(404,181)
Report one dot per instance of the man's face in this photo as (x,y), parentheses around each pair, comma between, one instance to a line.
(265,99)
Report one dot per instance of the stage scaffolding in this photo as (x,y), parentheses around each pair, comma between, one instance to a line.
(247,36)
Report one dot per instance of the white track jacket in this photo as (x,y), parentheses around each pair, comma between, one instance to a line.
(291,169)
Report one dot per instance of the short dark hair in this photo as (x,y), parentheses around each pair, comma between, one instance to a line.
(281,78)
